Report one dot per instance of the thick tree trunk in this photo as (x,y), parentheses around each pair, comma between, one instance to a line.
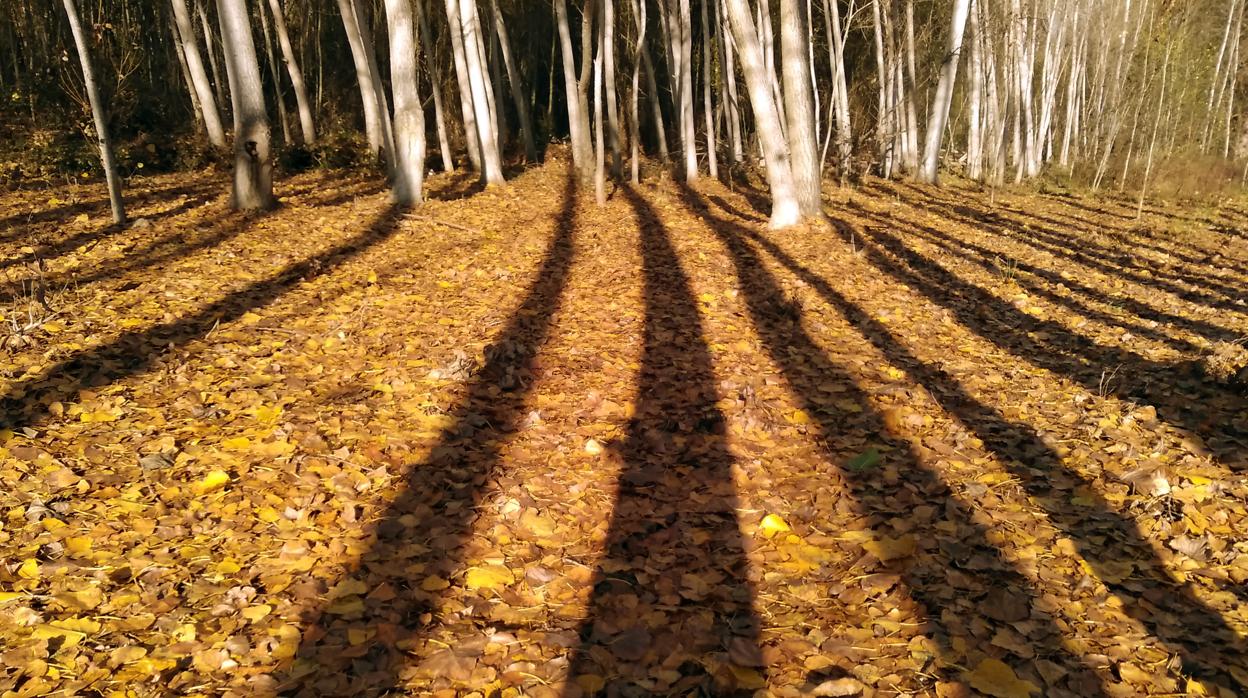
(944,93)
(799,106)
(97,114)
(199,77)
(306,125)
(409,113)
(785,210)
(578,123)
(253,162)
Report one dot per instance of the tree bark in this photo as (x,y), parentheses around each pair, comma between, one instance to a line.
(103,140)
(785,210)
(274,74)
(369,82)
(306,125)
(517,86)
(799,106)
(944,93)
(409,113)
(253,163)
(578,123)
(435,76)
(199,77)
(218,83)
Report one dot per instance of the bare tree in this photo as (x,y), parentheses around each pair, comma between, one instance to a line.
(306,125)
(199,77)
(253,158)
(409,114)
(944,93)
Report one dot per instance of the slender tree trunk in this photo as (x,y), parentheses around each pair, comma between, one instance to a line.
(656,106)
(729,69)
(471,134)
(799,107)
(840,86)
(712,162)
(199,78)
(516,85)
(578,122)
(435,77)
(944,93)
(610,96)
(479,84)
(218,83)
(883,136)
(975,132)
(911,92)
(196,110)
(600,175)
(97,114)
(409,113)
(274,74)
(306,124)
(369,81)
(253,162)
(639,11)
(785,210)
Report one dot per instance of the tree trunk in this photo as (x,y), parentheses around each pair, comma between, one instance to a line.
(840,86)
(199,77)
(409,113)
(729,70)
(218,83)
(578,124)
(799,106)
(471,134)
(883,137)
(435,77)
(638,52)
(369,81)
(306,125)
(517,86)
(944,93)
(785,210)
(97,114)
(712,163)
(253,163)
(274,74)
(197,111)
(600,175)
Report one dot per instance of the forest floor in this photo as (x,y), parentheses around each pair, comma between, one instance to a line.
(511,443)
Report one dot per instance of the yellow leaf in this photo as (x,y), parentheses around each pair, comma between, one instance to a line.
(212,482)
(372,277)
(51,632)
(98,416)
(184,633)
(266,414)
(997,679)
(7,596)
(349,605)
(228,566)
(772,524)
(799,417)
(886,548)
(434,583)
(348,587)
(489,577)
(238,443)
(127,654)
(747,678)
(255,613)
(84,600)
(82,625)
(29,569)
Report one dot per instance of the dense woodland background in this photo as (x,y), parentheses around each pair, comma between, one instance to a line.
(1108,93)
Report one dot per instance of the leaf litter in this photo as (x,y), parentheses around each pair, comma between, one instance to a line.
(951,444)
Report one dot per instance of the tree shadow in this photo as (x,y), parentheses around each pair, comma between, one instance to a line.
(673,549)
(26,402)
(956,567)
(1184,394)
(425,531)
(17,221)
(1118,553)
(1110,261)
(995,261)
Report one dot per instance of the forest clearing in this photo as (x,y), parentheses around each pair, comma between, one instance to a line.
(946,443)
(623,348)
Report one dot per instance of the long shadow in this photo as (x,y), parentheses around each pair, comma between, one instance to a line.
(1182,393)
(1110,261)
(988,259)
(673,546)
(959,566)
(171,247)
(19,220)
(88,237)
(428,526)
(26,401)
(1109,542)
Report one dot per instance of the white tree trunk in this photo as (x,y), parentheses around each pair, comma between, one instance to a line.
(369,82)
(799,107)
(840,87)
(274,74)
(306,125)
(707,48)
(219,84)
(435,75)
(600,156)
(608,70)
(578,117)
(944,93)
(784,206)
(197,111)
(733,102)
(516,85)
(471,134)
(409,113)
(253,163)
(638,52)
(199,77)
(97,114)
(975,109)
